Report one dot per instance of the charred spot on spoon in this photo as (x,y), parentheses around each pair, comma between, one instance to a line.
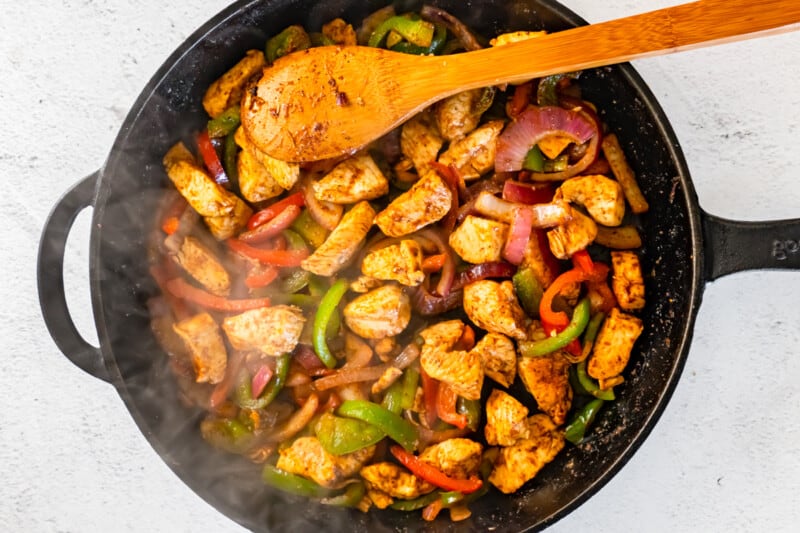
(341,99)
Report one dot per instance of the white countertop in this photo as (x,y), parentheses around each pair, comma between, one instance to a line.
(725,454)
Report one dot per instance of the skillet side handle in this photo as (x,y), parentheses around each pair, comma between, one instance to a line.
(50,279)
(732,246)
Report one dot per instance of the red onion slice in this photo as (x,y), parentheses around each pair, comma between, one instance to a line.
(260,380)
(527,193)
(519,233)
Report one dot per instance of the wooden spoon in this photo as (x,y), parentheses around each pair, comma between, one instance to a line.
(329,101)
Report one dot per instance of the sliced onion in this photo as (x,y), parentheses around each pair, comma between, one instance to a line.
(406,357)
(274,227)
(223,388)
(527,193)
(456,27)
(305,355)
(427,304)
(544,215)
(533,125)
(519,233)
(429,436)
(326,214)
(494,269)
(359,354)
(260,380)
(349,375)
(449,268)
(298,421)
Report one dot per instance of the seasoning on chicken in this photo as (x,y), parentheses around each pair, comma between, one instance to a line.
(271,330)
(420,141)
(474,155)
(517,464)
(227,91)
(506,419)
(354,179)
(458,458)
(382,312)
(601,196)
(397,262)
(284,174)
(394,480)
(364,284)
(200,262)
(613,345)
(203,340)
(389,377)
(255,182)
(459,114)
(426,202)
(340,32)
(533,258)
(547,379)
(576,234)
(479,240)
(224,213)
(306,457)
(461,370)
(627,281)
(493,306)
(343,242)
(499,358)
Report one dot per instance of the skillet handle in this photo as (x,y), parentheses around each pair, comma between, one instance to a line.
(50,278)
(732,246)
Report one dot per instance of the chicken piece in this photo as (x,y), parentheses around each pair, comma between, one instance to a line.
(459,114)
(340,32)
(395,481)
(364,284)
(306,457)
(613,345)
(283,173)
(444,334)
(506,419)
(547,379)
(271,330)
(516,36)
(226,226)
(516,465)
(499,358)
(389,377)
(493,306)
(354,179)
(426,202)
(533,258)
(378,498)
(398,262)
(420,141)
(342,244)
(457,458)
(575,235)
(255,181)
(200,262)
(382,312)
(479,240)
(627,281)
(227,91)
(461,370)
(601,196)
(474,155)
(203,340)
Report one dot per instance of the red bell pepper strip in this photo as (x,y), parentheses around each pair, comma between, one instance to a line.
(261,279)
(280,258)
(269,229)
(446,407)
(582,260)
(558,319)
(430,393)
(455,183)
(523,95)
(211,159)
(433,475)
(181,289)
(268,213)
(467,340)
(433,263)
(170,225)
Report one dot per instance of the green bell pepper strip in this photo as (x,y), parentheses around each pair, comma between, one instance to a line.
(418,32)
(589,384)
(580,319)
(471,408)
(230,158)
(534,160)
(294,240)
(580,422)
(340,435)
(295,281)
(528,290)
(395,427)
(326,309)
(309,229)
(226,434)
(436,47)
(293,484)
(410,383)
(292,39)
(225,124)
(351,497)
(558,164)
(416,503)
(546,93)
(393,399)
(244,397)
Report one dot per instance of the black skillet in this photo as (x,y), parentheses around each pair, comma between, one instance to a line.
(684,248)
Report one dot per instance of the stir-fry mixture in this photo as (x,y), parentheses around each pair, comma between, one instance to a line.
(414,325)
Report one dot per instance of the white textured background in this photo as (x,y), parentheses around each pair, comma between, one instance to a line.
(724,456)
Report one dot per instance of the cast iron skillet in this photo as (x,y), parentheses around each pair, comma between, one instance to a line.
(684,247)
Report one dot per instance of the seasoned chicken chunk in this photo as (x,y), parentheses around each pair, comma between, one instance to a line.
(474,155)
(515,465)
(443,334)
(382,312)
(459,114)
(227,91)
(282,173)
(255,181)
(627,281)
(547,379)
(342,244)
(575,235)
(461,370)
(364,284)
(354,179)
(203,340)
(499,358)
(613,345)
(457,458)
(479,240)
(271,330)
(395,481)
(397,262)
(226,226)
(494,307)
(601,196)
(506,419)
(306,457)
(200,262)
(340,32)
(420,141)
(378,498)
(426,202)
